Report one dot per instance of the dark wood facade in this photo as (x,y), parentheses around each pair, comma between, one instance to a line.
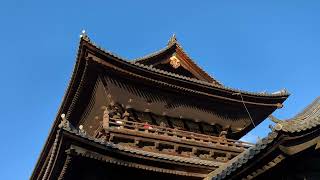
(159,116)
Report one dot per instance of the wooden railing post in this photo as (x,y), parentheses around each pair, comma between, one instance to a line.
(194,151)
(106,118)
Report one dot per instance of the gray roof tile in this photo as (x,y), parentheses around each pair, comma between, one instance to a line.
(307,119)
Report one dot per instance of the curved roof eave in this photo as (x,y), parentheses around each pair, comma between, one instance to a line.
(66,97)
(308,118)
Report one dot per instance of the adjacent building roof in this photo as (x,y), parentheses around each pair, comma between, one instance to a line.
(300,124)
(307,119)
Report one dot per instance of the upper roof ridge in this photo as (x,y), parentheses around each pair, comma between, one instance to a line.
(137,63)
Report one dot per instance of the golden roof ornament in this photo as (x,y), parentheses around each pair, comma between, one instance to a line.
(174,61)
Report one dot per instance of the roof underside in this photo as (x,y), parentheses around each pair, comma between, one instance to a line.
(148,68)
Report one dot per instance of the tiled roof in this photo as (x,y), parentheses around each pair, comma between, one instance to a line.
(242,158)
(153,69)
(307,119)
(131,150)
(173,42)
(75,150)
(167,156)
(143,58)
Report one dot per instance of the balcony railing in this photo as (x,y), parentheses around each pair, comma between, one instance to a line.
(168,140)
(133,127)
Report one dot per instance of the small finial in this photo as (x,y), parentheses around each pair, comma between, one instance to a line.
(84,35)
(82,132)
(64,122)
(173,39)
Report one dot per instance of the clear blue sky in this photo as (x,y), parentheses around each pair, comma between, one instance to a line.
(249,45)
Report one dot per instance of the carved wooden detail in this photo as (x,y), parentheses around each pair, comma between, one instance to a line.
(154,133)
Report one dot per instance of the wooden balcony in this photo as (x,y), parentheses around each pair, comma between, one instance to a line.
(172,141)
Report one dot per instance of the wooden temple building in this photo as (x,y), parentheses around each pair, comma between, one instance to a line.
(162,117)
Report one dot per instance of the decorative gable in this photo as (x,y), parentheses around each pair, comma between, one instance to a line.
(175,60)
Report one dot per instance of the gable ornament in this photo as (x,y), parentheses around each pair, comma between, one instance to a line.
(175,62)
